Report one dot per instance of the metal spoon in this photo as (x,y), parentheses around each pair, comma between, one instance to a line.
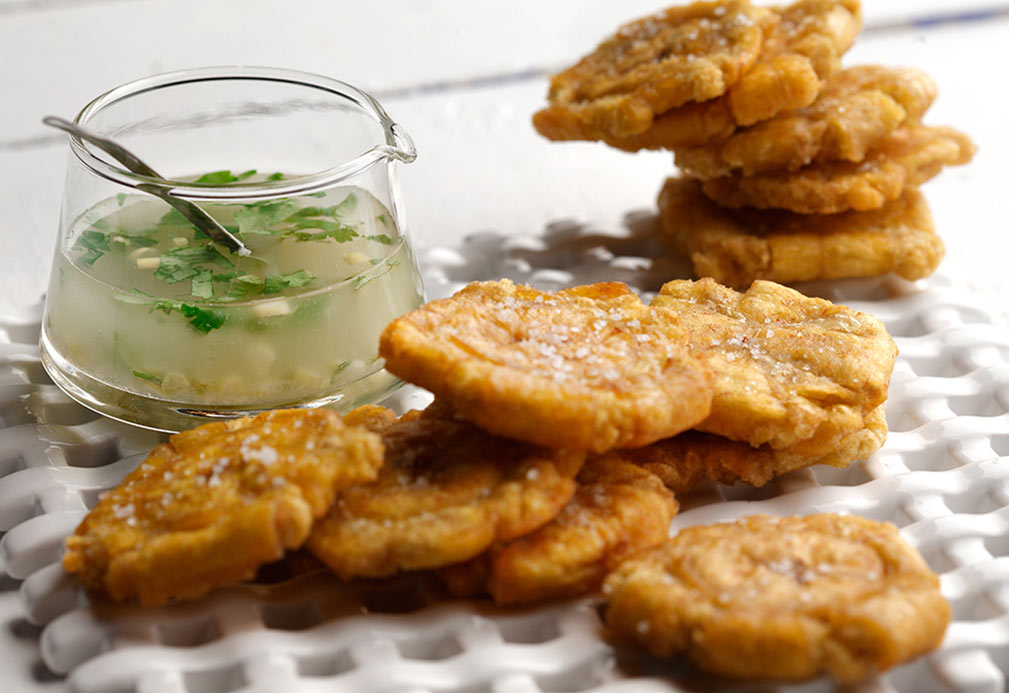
(196,216)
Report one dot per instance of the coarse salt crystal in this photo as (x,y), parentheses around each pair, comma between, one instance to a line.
(266,455)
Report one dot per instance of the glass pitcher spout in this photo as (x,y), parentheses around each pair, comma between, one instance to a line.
(402,149)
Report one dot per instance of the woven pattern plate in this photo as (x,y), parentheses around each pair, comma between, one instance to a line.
(942,477)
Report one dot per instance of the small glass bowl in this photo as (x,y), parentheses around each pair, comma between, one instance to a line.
(150,322)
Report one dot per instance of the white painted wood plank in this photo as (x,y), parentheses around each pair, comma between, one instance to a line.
(54,60)
(31,187)
(482,167)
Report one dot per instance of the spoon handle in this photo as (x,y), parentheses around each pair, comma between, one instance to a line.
(196,216)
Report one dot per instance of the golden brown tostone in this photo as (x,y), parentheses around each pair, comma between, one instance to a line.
(586,368)
(855,111)
(446,492)
(686,460)
(782,598)
(213,504)
(737,246)
(682,54)
(618,509)
(801,46)
(906,158)
(792,372)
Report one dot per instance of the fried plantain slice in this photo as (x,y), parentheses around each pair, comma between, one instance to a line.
(685,460)
(907,157)
(791,371)
(585,368)
(619,508)
(854,112)
(446,493)
(682,54)
(781,598)
(213,504)
(802,46)
(737,246)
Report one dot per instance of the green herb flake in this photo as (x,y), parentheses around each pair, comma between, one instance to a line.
(120,198)
(276,176)
(246,174)
(182,263)
(245,284)
(298,279)
(347,204)
(226,276)
(257,219)
(217,178)
(93,240)
(202,319)
(381,238)
(147,376)
(166,307)
(94,244)
(273,284)
(203,284)
(382,219)
(341,233)
(142,241)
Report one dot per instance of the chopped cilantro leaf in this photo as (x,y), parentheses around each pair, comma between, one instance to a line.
(276,176)
(217,178)
(93,240)
(245,284)
(246,174)
(202,284)
(273,284)
(259,218)
(299,278)
(225,276)
(182,263)
(94,244)
(165,307)
(382,219)
(327,229)
(202,319)
(147,376)
(311,212)
(141,241)
(120,198)
(381,238)
(348,203)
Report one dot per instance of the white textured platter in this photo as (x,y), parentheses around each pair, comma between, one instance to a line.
(942,477)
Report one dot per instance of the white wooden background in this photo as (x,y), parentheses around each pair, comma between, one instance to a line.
(463,78)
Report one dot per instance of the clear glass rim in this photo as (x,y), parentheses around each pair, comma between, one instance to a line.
(397,145)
